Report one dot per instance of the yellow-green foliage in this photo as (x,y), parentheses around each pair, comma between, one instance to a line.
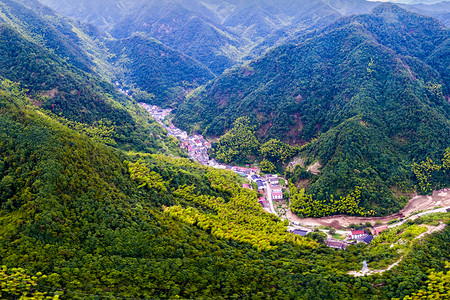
(423,172)
(237,144)
(142,174)
(100,131)
(241,219)
(221,180)
(303,204)
(276,150)
(16,284)
(446,160)
(394,234)
(438,287)
(267,166)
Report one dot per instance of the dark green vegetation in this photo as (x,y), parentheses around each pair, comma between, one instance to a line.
(241,145)
(91,205)
(220,33)
(90,224)
(79,97)
(137,63)
(157,69)
(366,95)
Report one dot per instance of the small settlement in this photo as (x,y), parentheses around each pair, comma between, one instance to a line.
(356,236)
(269,186)
(196,146)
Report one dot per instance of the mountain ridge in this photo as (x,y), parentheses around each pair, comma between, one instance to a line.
(349,88)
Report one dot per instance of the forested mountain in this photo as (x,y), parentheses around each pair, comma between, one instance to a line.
(47,29)
(84,221)
(368,92)
(438,9)
(157,69)
(220,33)
(162,72)
(49,62)
(85,101)
(96,202)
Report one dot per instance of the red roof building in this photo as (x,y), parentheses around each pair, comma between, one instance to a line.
(379,229)
(277,196)
(358,234)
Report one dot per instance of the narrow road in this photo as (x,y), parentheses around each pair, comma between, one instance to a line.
(430,230)
(269,198)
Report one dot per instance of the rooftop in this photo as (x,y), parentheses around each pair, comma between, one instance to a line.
(300,232)
(358,232)
(367,239)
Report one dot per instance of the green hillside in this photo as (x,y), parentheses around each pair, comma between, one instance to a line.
(85,101)
(76,211)
(137,63)
(44,27)
(159,70)
(365,104)
(84,223)
(97,202)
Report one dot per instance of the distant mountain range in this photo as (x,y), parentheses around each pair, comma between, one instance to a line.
(221,33)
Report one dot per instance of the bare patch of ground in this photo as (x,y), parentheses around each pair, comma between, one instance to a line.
(297,161)
(50,94)
(417,203)
(314,168)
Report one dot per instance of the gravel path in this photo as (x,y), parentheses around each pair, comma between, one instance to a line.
(430,230)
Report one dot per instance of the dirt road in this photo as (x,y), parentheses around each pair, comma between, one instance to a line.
(430,230)
(417,203)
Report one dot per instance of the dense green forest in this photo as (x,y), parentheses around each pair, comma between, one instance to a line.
(221,33)
(157,69)
(80,97)
(137,63)
(84,220)
(365,97)
(96,201)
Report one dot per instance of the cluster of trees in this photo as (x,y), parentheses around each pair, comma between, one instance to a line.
(241,218)
(16,283)
(241,145)
(438,286)
(431,176)
(146,178)
(305,206)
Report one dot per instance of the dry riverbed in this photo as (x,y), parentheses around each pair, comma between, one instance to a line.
(439,198)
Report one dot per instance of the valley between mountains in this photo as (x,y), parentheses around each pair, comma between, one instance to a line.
(224,149)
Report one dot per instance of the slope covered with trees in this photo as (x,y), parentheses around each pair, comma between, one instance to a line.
(157,69)
(83,220)
(137,63)
(79,97)
(85,215)
(368,95)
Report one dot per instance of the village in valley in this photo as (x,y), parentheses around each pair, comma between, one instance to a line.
(272,188)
